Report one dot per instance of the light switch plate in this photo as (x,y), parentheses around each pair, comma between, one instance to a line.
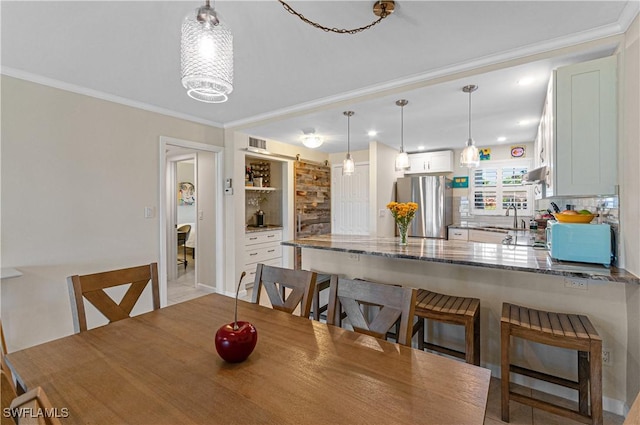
(149,212)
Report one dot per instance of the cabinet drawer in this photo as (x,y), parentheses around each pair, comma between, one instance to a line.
(262,253)
(262,237)
(482,236)
(250,270)
(458,234)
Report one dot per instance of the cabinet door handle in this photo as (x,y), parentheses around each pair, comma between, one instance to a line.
(271,250)
(252,254)
(271,236)
(253,239)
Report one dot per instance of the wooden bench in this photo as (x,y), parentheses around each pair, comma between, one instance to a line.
(570,331)
(452,310)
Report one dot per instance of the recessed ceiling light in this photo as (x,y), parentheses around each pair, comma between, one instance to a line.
(502,139)
(372,133)
(525,81)
(523,122)
(420,148)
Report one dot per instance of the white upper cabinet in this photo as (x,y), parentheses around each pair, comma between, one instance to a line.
(585,139)
(439,162)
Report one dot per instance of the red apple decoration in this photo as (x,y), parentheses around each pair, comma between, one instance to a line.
(236,341)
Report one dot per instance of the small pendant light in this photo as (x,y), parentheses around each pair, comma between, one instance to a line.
(470,156)
(348,166)
(402,160)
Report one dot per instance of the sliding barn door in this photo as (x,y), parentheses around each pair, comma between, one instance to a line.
(312,199)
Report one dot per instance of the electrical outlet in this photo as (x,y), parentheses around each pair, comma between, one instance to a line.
(354,257)
(606,357)
(573,283)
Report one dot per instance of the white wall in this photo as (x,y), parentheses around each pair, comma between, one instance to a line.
(383,177)
(629,178)
(77,173)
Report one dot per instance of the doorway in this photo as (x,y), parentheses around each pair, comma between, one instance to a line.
(350,201)
(190,198)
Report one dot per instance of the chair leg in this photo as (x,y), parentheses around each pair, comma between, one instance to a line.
(504,369)
(421,328)
(595,379)
(583,382)
(472,340)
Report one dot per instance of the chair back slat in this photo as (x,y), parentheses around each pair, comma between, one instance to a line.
(33,402)
(91,287)
(285,288)
(395,303)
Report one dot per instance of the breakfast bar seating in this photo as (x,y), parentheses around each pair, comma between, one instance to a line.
(453,310)
(570,331)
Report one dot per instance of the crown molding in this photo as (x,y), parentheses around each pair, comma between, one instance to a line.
(57,84)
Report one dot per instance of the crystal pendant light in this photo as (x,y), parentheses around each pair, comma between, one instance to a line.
(402,160)
(470,156)
(206,56)
(348,166)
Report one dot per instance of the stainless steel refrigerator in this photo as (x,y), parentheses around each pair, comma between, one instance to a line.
(433,194)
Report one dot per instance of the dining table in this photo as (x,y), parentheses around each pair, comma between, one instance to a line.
(162,367)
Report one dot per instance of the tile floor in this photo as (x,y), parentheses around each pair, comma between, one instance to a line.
(183,288)
(521,414)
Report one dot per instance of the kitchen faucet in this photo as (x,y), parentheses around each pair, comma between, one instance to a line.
(515,214)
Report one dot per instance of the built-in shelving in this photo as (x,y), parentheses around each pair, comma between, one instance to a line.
(260,189)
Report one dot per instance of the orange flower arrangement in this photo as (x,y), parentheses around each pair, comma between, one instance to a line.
(403,213)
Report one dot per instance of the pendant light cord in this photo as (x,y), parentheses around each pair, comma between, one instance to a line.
(469,114)
(402,129)
(349,134)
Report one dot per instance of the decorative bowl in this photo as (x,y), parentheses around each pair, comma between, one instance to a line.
(574,218)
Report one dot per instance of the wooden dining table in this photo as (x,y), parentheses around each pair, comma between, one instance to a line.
(162,368)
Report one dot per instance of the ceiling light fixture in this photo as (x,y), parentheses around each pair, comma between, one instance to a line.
(402,160)
(372,133)
(206,55)
(502,139)
(348,166)
(310,139)
(381,9)
(470,156)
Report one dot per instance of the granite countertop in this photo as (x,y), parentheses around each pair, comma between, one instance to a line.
(489,255)
(252,229)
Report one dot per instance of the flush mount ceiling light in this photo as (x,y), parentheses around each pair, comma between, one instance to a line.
(381,9)
(206,56)
(402,160)
(348,166)
(470,156)
(311,140)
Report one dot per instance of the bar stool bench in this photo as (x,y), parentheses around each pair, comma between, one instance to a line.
(570,331)
(452,310)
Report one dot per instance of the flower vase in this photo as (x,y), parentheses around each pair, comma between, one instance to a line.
(402,229)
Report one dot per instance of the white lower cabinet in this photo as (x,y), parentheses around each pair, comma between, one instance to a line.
(458,234)
(483,236)
(261,247)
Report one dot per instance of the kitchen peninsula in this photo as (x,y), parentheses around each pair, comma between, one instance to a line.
(497,273)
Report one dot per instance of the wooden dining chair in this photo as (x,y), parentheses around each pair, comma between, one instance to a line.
(36,407)
(352,296)
(7,394)
(92,287)
(286,288)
